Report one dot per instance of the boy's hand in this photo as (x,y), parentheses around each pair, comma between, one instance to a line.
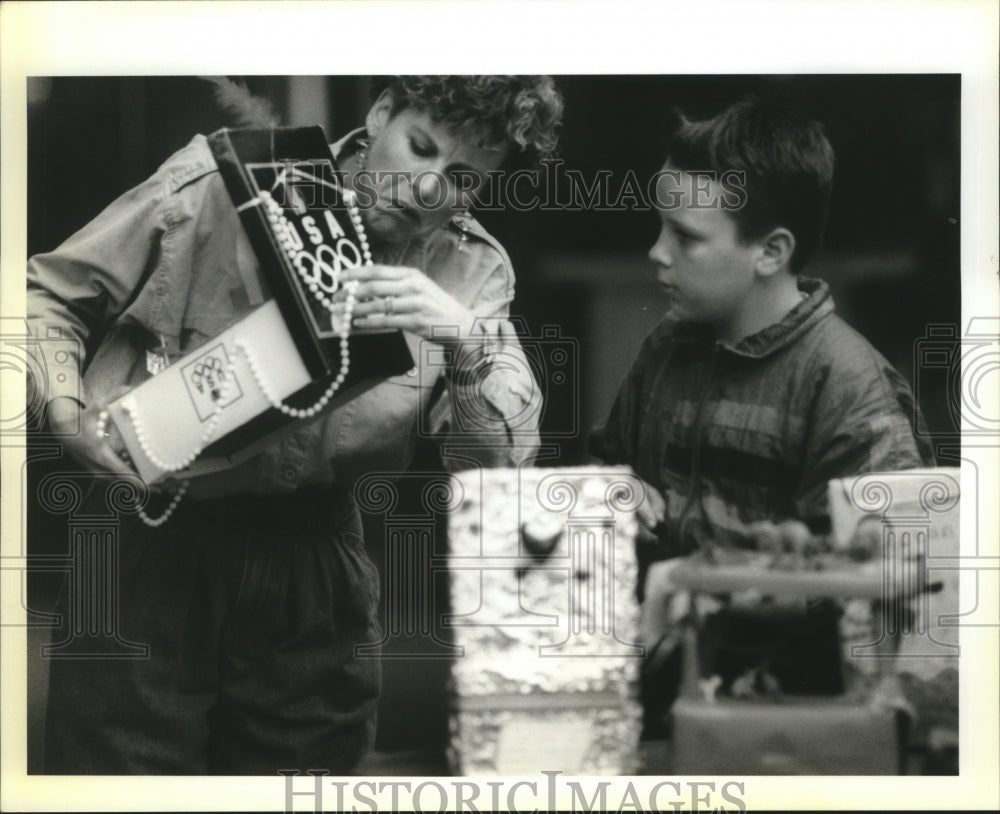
(661,612)
(651,511)
(866,542)
(664,610)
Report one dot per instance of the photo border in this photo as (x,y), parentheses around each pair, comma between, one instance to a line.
(249,38)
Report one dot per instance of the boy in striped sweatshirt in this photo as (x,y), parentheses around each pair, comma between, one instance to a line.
(751,394)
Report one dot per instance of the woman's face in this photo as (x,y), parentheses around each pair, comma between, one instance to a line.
(418,173)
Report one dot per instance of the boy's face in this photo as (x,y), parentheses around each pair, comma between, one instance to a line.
(706,271)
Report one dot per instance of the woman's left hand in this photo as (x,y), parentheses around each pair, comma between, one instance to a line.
(405,298)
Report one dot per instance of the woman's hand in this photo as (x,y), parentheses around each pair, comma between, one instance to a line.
(79,426)
(405,298)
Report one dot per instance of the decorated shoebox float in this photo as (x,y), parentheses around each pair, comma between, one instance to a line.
(756,724)
(542,577)
(800,736)
(217,405)
(897,585)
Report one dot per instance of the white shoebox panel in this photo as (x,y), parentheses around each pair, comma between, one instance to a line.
(174,407)
(927,498)
(918,512)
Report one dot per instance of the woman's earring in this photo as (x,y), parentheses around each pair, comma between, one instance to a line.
(463,218)
(363,144)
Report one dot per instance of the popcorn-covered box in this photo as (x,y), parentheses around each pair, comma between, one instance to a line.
(543,576)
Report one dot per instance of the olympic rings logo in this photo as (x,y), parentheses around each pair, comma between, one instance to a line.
(325,267)
(211,372)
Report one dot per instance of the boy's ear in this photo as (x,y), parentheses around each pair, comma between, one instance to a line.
(776,249)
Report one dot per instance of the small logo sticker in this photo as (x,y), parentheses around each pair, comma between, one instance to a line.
(209,381)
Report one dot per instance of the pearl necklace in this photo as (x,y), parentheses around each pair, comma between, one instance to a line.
(291,244)
(132,411)
(292,249)
(294,252)
(163,518)
(130,408)
(101,432)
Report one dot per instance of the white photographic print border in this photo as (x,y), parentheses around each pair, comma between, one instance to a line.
(353,38)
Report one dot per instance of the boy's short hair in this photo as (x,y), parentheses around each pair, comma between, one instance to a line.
(786,161)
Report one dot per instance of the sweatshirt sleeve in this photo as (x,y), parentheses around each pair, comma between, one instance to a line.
(76,289)
(491,404)
(863,421)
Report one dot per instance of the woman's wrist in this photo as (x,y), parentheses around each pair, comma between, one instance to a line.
(473,348)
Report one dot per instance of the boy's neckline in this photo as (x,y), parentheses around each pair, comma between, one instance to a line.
(815,302)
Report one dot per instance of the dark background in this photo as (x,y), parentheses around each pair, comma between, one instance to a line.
(891,254)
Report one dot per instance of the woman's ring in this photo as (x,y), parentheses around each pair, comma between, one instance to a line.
(388,306)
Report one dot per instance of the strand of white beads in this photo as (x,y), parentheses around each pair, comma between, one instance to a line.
(174,501)
(101,430)
(102,434)
(292,249)
(131,410)
(291,244)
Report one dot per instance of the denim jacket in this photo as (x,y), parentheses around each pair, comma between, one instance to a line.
(167,266)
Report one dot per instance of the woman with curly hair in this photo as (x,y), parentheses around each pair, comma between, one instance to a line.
(253,599)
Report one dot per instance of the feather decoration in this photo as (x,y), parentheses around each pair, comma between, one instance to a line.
(237,100)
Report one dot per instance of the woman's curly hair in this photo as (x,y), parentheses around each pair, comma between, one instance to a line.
(522,112)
